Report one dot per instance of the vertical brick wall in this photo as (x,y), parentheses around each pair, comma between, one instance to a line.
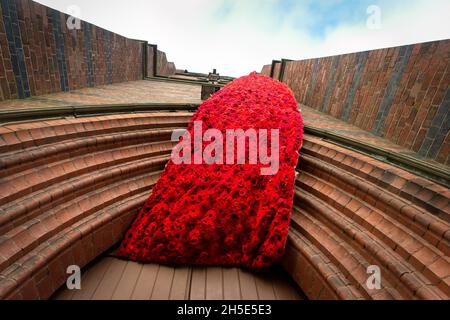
(276,70)
(164,68)
(150,63)
(40,55)
(266,69)
(399,93)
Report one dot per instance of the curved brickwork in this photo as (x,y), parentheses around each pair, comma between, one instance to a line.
(352,212)
(70,187)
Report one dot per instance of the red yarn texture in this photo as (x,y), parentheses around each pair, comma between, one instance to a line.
(225,214)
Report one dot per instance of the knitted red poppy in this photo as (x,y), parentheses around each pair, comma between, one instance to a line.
(225,214)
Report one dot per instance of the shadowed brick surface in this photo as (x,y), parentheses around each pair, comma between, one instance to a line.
(389,95)
(276,70)
(327,96)
(14,43)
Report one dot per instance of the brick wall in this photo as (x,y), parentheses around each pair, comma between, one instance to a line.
(40,55)
(276,70)
(266,69)
(150,63)
(399,93)
(164,68)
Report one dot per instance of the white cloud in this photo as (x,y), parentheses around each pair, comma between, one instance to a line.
(250,33)
(420,21)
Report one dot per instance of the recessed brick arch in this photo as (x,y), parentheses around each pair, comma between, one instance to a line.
(70,187)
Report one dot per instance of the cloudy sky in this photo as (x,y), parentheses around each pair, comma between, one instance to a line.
(240,36)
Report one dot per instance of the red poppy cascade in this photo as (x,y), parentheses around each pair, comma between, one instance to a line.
(225,214)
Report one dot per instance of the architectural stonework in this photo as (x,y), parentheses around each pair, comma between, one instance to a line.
(71,187)
(87,120)
(40,55)
(401,94)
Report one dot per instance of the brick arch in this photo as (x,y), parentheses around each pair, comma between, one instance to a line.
(70,187)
